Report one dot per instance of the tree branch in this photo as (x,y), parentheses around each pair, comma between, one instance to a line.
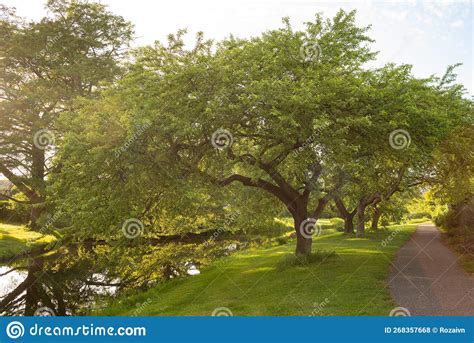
(4,196)
(259,183)
(18,182)
(269,169)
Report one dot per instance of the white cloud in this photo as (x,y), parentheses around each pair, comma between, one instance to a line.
(457,23)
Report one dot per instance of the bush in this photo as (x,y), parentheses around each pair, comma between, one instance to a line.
(419,215)
(419,220)
(337,223)
(281,240)
(13,213)
(447,220)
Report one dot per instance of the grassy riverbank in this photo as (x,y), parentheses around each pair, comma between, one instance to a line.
(15,239)
(347,277)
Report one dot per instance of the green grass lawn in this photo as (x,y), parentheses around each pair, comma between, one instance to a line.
(263,281)
(15,239)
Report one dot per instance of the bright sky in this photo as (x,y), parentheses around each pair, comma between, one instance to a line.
(428,34)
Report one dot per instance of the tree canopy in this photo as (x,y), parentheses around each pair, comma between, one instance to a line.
(293,115)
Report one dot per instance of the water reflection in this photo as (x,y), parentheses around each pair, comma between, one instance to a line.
(64,286)
(11,280)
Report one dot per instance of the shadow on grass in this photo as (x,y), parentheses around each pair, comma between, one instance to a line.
(316,257)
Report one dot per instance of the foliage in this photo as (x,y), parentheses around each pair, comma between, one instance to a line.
(44,66)
(287,117)
(454,173)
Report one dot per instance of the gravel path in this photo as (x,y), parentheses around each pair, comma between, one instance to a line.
(427,280)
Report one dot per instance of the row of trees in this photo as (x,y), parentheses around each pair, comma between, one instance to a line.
(177,140)
(302,131)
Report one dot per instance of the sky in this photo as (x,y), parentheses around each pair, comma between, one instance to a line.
(430,35)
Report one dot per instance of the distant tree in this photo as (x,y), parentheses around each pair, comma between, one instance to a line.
(416,115)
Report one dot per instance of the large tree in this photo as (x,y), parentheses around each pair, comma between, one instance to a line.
(285,99)
(45,65)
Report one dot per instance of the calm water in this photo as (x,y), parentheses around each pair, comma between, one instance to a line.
(10,281)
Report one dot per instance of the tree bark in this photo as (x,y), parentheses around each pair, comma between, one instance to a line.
(349,223)
(376,217)
(5,303)
(360,219)
(303,242)
(346,215)
(37,174)
(59,295)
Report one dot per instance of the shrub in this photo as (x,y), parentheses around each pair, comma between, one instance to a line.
(281,240)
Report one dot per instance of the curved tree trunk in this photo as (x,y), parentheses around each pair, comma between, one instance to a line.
(295,202)
(303,246)
(35,267)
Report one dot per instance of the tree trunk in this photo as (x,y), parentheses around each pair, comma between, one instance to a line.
(37,174)
(346,215)
(59,295)
(294,201)
(303,240)
(349,223)
(360,220)
(35,214)
(376,217)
